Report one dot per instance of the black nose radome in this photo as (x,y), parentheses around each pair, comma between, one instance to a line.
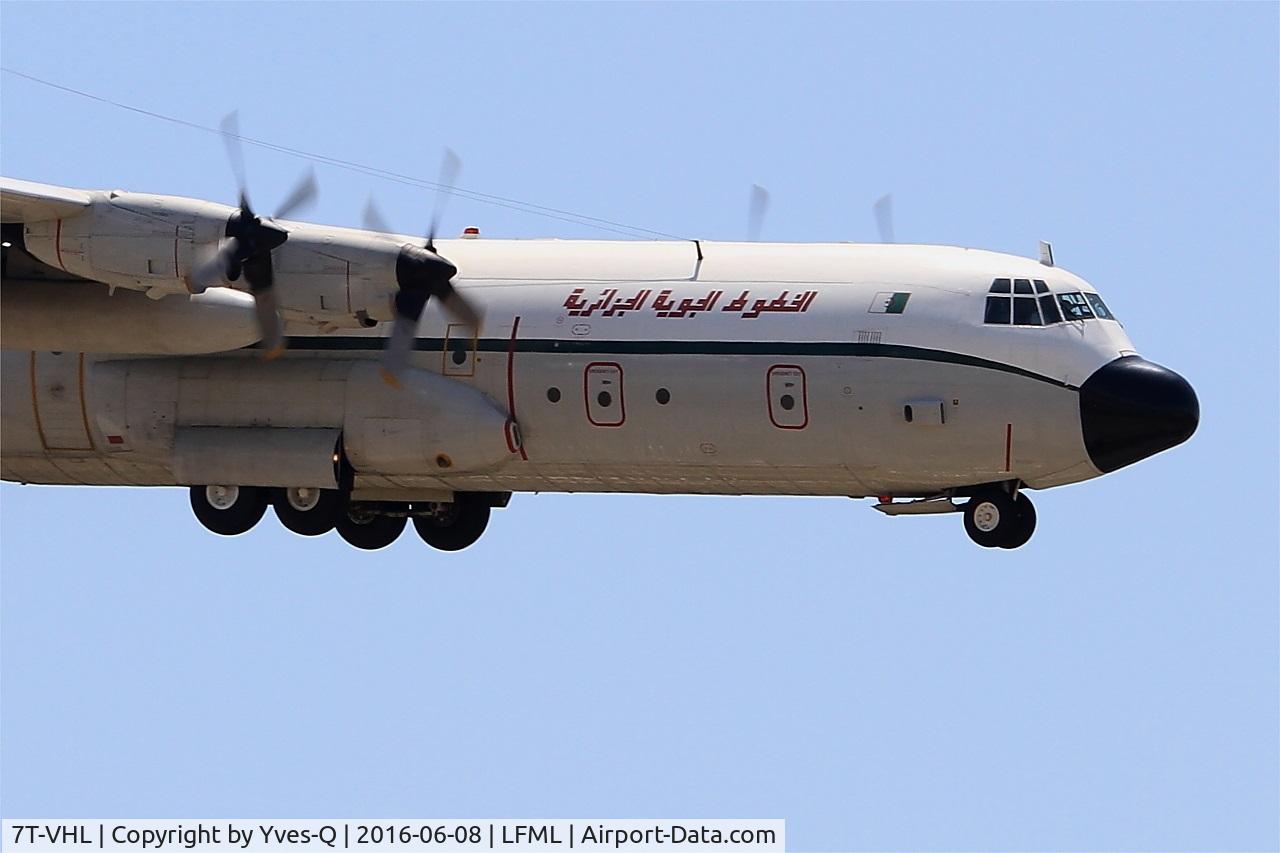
(1131,409)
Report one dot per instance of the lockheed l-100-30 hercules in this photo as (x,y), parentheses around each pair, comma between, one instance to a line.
(428,380)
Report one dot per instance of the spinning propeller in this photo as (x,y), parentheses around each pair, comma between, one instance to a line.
(884,218)
(421,273)
(249,242)
(756,209)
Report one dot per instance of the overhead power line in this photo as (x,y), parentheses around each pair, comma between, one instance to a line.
(372,171)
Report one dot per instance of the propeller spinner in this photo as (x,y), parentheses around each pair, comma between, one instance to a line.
(420,274)
(249,242)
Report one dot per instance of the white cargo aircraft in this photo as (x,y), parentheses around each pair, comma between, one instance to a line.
(135,328)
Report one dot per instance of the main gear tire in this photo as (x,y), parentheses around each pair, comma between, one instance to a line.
(228,510)
(307,511)
(369,532)
(453,526)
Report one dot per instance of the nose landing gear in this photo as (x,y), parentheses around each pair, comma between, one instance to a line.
(996,519)
(996,515)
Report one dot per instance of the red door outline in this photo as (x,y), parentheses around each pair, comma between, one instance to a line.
(804,395)
(586,393)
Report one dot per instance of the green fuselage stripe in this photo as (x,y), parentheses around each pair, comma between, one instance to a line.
(599,347)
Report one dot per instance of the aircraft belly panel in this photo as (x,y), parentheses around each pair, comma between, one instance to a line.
(692,423)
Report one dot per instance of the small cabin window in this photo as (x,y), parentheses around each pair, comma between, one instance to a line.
(1000,285)
(1074,306)
(1022,285)
(1041,287)
(998,310)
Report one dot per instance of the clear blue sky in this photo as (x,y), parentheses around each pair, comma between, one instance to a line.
(880,683)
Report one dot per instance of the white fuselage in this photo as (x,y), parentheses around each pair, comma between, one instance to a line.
(606,366)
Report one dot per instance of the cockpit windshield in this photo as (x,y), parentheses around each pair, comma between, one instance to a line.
(1029,302)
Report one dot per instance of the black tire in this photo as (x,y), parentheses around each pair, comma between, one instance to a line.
(370,532)
(1025,523)
(452,527)
(989,517)
(307,512)
(228,510)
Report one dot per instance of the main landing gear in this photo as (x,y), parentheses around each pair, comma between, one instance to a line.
(367,525)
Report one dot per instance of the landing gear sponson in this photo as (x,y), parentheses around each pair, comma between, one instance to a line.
(997,515)
(367,525)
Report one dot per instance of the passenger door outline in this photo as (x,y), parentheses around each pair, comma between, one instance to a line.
(781,383)
(601,378)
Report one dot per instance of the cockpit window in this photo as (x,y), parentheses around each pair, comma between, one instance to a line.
(1025,312)
(1074,306)
(1099,307)
(1049,308)
(998,308)
(1029,302)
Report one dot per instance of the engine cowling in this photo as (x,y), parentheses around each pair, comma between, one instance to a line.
(325,276)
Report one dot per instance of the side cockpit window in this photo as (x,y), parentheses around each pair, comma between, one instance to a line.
(1075,306)
(1100,309)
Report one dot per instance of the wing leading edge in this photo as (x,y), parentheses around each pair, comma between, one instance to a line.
(27,201)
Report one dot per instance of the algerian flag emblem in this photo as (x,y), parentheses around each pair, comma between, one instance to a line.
(887,302)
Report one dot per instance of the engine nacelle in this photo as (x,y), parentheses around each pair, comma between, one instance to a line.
(133,240)
(329,276)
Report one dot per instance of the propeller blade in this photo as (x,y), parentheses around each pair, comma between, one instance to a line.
(303,194)
(231,139)
(264,303)
(449,169)
(396,356)
(211,271)
(458,307)
(260,277)
(884,218)
(755,211)
(373,220)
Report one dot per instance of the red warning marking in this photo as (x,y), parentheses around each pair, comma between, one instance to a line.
(115,439)
(511,388)
(1008,445)
(57,245)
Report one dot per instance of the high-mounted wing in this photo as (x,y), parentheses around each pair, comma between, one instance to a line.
(27,201)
